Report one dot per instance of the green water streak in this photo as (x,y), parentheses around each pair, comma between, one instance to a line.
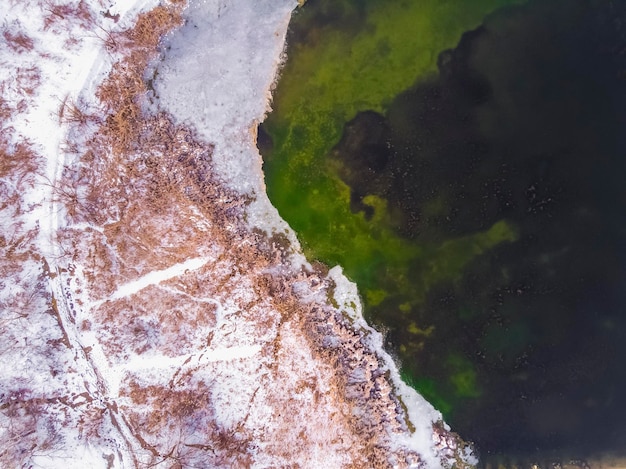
(323,85)
(385,48)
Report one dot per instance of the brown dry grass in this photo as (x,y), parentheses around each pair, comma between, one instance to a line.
(18,42)
(122,91)
(18,162)
(19,159)
(5,110)
(120,94)
(151,26)
(61,12)
(71,112)
(187,413)
(155,319)
(106,172)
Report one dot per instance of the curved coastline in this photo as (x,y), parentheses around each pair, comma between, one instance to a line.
(336,319)
(162,314)
(522,412)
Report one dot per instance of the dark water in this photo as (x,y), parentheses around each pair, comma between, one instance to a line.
(523,126)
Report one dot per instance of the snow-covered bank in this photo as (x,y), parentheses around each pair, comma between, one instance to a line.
(146,320)
(217,77)
(52,57)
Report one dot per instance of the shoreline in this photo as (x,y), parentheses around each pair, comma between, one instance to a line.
(172,319)
(260,213)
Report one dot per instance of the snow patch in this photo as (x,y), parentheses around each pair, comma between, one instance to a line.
(157,276)
(216,77)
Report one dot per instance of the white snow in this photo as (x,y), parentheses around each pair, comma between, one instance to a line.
(158,276)
(217,76)
(421,413)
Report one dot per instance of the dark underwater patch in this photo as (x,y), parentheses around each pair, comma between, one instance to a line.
(525,122)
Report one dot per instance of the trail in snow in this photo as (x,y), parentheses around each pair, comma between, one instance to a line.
(156,277)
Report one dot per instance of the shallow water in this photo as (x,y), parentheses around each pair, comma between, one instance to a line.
(464,164)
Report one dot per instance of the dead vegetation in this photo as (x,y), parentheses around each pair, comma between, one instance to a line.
(18,41)
(31,425)
(76,113)
(19,169)
(148,187)
(97,189)
(156,319)
(5,111)
(64,12)
(21,413)
(123,89)
(18,161)
(185,432)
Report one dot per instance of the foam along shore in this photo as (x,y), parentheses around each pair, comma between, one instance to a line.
(216,77)
(155,310)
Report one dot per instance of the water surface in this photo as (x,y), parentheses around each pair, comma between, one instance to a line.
(464,162)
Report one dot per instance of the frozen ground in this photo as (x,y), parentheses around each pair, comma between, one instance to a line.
(154,309)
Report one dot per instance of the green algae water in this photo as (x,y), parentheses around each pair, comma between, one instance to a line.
(464,162)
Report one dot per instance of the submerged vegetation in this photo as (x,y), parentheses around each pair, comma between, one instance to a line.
(462,162)
(345,58)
